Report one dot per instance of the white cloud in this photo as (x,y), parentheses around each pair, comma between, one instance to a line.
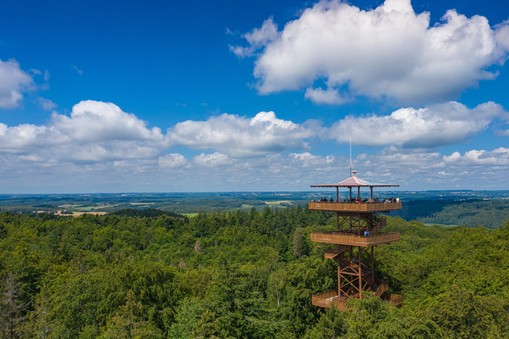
(497,157)
(306,159)
(256,39)
(330,96)
(173,160)
(46,104)
(212,160)
(13,81)
(77,70)
(432,126)
(243,137)
(95,131)
(389,51)
(94,120)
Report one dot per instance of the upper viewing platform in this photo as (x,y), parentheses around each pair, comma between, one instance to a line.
(362,207)
(354,203)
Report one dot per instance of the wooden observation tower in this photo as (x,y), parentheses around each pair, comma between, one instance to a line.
(358,226)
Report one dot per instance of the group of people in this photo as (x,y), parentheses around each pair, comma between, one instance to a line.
(359,200)
(324,200)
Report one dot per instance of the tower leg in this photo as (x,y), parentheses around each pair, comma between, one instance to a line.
(359,258)
(372,279)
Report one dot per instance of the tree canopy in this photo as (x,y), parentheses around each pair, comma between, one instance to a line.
(244,273)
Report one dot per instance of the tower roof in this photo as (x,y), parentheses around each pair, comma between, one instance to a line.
(354,181)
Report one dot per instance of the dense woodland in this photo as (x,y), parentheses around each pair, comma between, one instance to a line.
(242,274)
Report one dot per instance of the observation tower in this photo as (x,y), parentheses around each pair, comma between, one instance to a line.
(358,225)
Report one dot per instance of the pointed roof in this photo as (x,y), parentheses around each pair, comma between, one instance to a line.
(354,181)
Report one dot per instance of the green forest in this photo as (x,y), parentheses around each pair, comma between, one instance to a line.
(240,274)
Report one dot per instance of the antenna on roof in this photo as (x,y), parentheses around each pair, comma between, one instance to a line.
(350,156)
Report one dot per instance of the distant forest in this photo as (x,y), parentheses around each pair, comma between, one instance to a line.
(456,208)
(246,273)
(472,213)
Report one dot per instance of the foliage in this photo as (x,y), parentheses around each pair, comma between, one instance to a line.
(147,212)
(242,273)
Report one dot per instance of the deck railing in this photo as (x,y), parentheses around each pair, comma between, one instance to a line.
(341,238)
(354,207)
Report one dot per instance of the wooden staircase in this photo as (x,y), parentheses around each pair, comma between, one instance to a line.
(335,251)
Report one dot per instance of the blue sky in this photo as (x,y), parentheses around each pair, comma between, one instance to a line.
(123,96)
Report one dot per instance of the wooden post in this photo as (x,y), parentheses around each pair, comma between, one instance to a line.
(372,265)
(339,282)
(359,255)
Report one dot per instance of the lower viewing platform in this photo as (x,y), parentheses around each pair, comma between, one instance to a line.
(342,238)
(363,207)
(329,299)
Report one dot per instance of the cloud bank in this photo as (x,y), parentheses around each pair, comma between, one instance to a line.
(99,147)
(99,131)
(388,52)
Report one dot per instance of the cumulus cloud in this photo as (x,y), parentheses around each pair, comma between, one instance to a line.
(257,38)
(436,125)
(243,137)
(13,81)
(388,52)
(212,160)
(329,96)
(306,159)
(77,70)
(46,104)
(173,160)
(95,131)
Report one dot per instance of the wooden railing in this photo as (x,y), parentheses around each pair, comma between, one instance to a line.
(354,207)
(341,238)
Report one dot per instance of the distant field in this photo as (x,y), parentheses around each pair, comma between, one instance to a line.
(279,203)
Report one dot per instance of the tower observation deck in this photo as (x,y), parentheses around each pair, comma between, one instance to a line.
(358,231)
